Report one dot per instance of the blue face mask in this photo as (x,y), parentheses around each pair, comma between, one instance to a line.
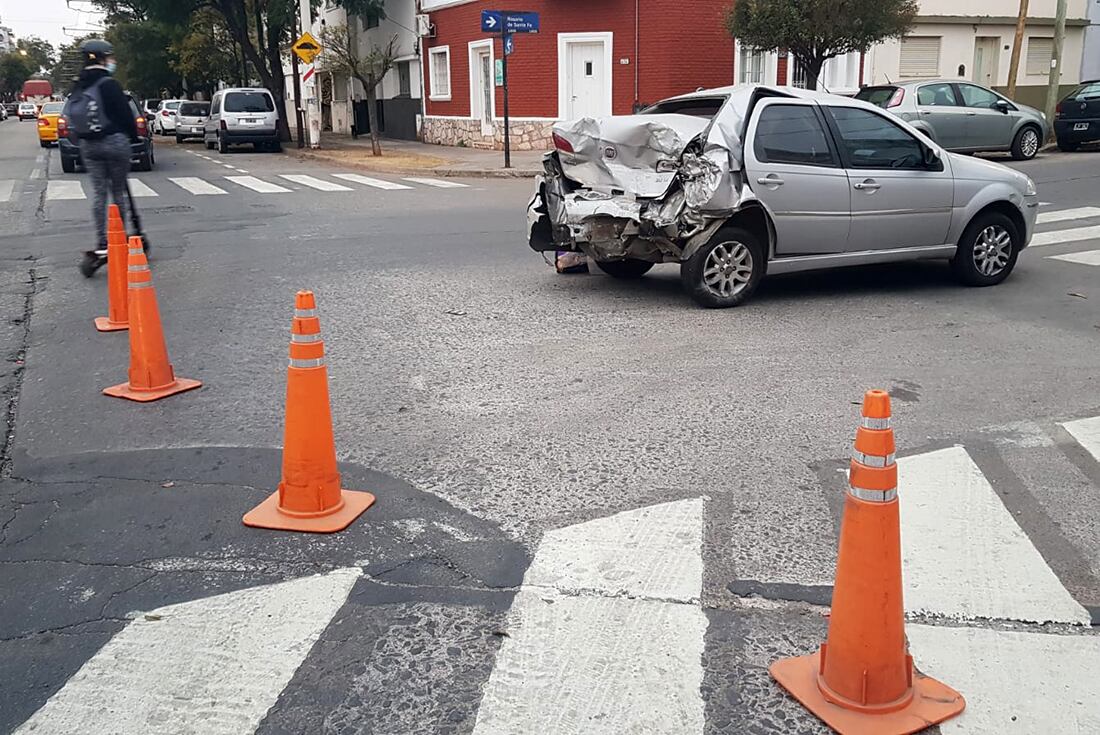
(111,66)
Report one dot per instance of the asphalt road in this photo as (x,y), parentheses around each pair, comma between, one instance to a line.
(530,437)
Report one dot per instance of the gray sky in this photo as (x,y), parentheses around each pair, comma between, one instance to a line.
(47,18)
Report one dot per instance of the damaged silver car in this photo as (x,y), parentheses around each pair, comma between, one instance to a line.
(740,182)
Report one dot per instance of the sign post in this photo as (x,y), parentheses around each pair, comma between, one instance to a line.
(507,23)
(307,48)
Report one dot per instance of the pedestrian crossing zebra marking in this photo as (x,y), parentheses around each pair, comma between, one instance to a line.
(1058,237)
(1089,257)
(315,183)
(368,181)
(60,189)
(1087,434)
(1062,215)
(259,185)
(7,188)
(140,189)
(438,183)
(195,185)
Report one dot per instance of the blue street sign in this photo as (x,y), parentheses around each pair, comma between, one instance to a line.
(505,21)
(509,44)
(492,21)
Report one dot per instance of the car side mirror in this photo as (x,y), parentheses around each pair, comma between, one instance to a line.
(931,157)
(1002,106)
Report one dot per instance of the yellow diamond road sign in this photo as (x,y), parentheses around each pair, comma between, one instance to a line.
(307,47)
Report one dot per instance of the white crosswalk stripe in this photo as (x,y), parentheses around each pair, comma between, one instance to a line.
(438,183)
(195,185)
(264,187)
(212,666)
(315,183)
(1087,433)
(140,189)
(1058,237)
(1089,257)
(368,181)
(64,189)
(7,187)
(1063,215)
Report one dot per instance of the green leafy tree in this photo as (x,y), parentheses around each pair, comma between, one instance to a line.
(815,31)
(146,65)
(206,54)
(40,53)
(14,70)
(343,55)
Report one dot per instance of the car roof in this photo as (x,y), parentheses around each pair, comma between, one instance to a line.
(244,89)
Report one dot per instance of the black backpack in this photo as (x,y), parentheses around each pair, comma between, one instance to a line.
(86,116)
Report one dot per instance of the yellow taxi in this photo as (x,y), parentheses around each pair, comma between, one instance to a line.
(47,123)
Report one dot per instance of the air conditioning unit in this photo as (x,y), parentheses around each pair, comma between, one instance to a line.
(424,26)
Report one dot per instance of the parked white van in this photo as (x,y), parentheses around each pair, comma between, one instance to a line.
(242,115)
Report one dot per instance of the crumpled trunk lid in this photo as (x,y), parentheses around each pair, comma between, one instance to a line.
(635,154)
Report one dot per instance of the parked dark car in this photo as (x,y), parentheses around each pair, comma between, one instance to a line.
(141,153)
(1077,118)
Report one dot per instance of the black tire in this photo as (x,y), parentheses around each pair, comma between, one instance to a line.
(744,256)
(44,143)
(277,147)
(179,139)
(1027,143)
(985,234)
(145,163)
(208,143)
(68,165)
(628,270)
(1067,146)
(222,147)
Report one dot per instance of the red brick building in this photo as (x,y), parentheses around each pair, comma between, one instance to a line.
(590,58)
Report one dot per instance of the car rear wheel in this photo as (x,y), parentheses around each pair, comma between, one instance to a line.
(627,270)
(44,143)
(222,147)
(145,162)
(1026,144)
(179,138)
(726,271)
(68,165)
(1067,146)
(988,250)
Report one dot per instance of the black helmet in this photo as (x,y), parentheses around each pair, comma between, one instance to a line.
(95,51)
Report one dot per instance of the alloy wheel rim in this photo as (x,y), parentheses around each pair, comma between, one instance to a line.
(992,250)
(1030,143)
(728,269)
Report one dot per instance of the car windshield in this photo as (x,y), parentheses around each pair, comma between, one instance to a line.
(248,102)
(1087,91)
(27,106)
(705,107)
(52,108)
(878,96)
(195,109)
(171,105)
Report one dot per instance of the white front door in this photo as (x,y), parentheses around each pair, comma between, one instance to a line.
(586,80)
(986,54)
(484,90)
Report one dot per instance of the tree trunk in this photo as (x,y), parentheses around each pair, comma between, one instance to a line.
(274,58)
(274,83)
(372,115)
(813,72)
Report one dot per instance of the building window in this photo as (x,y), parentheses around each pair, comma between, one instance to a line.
(339,88)
(751,66)
(1039,53)
(920,56)
(370,21)
(404,79)
(439,71)
(799,76)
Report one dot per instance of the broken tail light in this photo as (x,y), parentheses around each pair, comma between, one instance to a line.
(896,99)
(562,144)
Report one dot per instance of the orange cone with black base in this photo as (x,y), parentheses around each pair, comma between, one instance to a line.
(151,375)
(862,680)
(309,497)
(117,317)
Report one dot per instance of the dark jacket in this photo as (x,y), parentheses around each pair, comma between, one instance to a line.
(120,118)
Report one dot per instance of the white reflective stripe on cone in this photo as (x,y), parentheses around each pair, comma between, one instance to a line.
(869,423)
(873,460)
(317,362)
(305,312)
(305,338)
(141,284)
(874,496)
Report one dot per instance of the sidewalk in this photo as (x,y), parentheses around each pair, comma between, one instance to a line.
(412,157)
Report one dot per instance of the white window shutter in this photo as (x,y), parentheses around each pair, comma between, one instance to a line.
(1039,53)
(920,56)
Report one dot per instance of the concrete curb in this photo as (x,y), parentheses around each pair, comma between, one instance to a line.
(443,171)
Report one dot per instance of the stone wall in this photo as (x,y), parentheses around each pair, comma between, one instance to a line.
(527,135)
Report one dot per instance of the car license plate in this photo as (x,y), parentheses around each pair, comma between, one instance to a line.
(196,129)
(249,121)
(1081,126)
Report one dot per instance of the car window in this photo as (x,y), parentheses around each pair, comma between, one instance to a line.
(1087,91)
(974,96)
(174,105)
(215,104)
(878,96)
(195,109)
(52,108)
(937,95)
(705,107)
(870,140)
(791,134)
(248,102)
(134,108)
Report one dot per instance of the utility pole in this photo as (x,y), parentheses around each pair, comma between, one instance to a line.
(1055,80)
(1017,46)
(297,99)
(312,119)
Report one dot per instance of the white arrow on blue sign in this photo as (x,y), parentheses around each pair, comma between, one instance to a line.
(491,21)
(509,44)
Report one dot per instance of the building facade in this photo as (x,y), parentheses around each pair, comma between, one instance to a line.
(973,41)
(7,40)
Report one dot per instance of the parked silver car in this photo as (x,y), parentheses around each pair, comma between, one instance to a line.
(242,115)
(737,182)
(191,120)
(963,117)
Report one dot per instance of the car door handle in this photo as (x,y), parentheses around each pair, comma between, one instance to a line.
(971,114)
(770,180)
(868,185)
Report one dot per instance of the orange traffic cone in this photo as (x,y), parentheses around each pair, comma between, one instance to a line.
(117,311)
(309,497)
(862,681)
(151,375)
